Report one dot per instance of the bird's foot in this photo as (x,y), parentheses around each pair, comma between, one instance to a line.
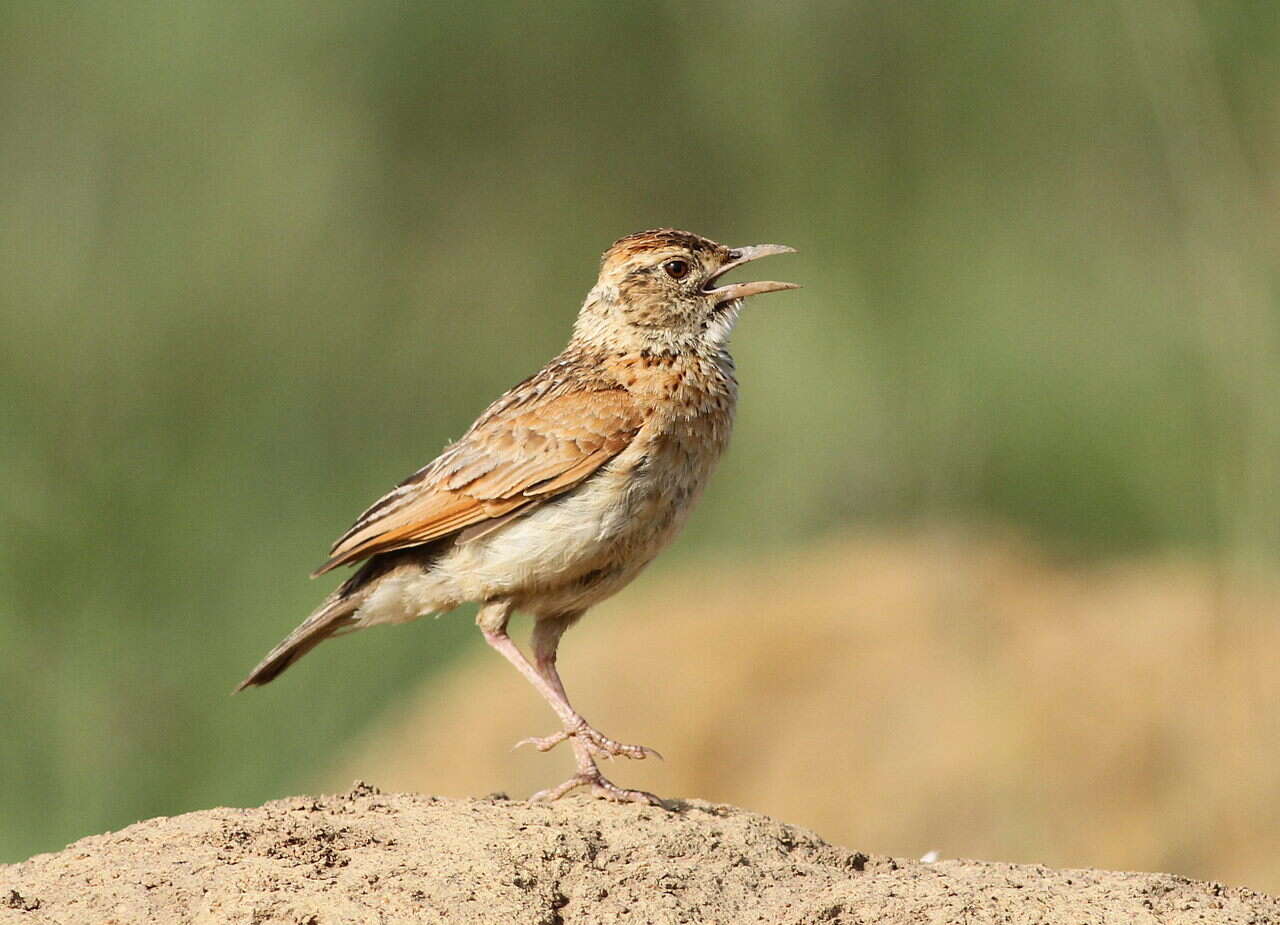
(597,743)
(600,786)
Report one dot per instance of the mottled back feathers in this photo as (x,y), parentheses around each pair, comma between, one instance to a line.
(538,440)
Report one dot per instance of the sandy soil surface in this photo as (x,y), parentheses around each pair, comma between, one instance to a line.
(366,856)
(945,691)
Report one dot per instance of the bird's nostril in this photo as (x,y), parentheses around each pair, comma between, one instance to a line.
(735,255)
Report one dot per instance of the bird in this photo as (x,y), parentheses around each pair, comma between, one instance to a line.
(566,486)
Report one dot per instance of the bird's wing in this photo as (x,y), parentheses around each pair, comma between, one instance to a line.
(527,448)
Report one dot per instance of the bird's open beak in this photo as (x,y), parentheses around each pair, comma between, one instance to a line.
(737,257)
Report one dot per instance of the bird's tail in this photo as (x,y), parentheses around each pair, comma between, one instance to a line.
(336,614)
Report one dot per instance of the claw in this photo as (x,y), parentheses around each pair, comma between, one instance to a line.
(602,746)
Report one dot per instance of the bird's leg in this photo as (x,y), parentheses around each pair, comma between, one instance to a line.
(586,740)
(492,620)
(546,641)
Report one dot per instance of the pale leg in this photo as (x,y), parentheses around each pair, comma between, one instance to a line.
(546,640)
(586,740)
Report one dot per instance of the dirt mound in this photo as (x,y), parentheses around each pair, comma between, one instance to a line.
(930,691)
(366,856)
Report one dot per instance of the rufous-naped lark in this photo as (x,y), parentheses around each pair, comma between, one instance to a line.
(567,485)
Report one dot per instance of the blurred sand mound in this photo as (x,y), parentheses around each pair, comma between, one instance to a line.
(914,693)
(371,857)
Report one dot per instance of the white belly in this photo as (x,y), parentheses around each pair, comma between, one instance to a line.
(563,556)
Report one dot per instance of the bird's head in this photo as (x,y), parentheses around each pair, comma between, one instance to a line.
(659,289)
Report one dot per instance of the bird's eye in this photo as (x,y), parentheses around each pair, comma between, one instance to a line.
(676,269)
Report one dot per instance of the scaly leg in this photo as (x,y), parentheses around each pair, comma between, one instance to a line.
(492,620)
(546,640)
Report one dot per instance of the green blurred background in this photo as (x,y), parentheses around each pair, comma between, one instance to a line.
(259,261)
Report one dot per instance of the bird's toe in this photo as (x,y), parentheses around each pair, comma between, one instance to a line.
(604,747)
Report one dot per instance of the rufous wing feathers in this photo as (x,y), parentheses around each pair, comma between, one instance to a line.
(519,457)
